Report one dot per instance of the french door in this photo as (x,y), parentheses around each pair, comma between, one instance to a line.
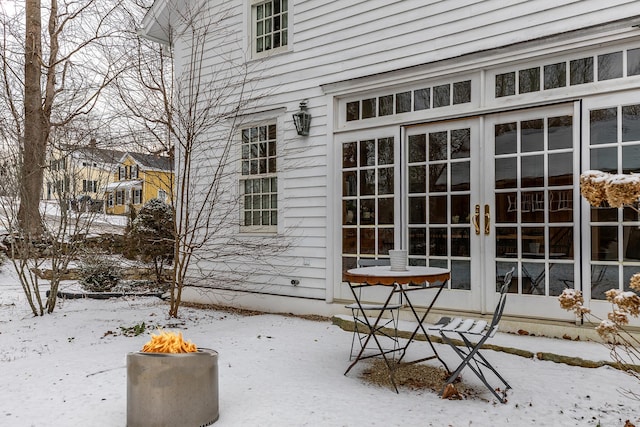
(488,193)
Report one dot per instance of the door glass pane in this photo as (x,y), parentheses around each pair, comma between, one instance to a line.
(532,171)
(506,242)
(417,241)
(604,159)
(349,151)
(367,153)
(460,209)
(417,179)
(385,151)
(506,138)
(560,169)
(348,212)
(385,181)
(349,183)
(367,211)
(533,275)
(560,206)
(506,207)
(460,176)
(368,182)
(438,210)
(603,126)
(385,211)
(417,210)
(438,244)
(560,132)
(506,173)
(460,242)
(438,178)
(367,240)
(385,240)
(533,206)
(438,146)
(561,242)
(604,243)
(460,143)
(532,135)
(417,148)
(460,274)
(631,123)
(631,159)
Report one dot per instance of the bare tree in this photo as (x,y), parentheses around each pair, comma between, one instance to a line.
(51,77)
(198,115)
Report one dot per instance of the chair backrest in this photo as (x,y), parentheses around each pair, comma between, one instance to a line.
(372,262)
(497,314)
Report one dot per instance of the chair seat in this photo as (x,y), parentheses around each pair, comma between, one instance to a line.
(354,306)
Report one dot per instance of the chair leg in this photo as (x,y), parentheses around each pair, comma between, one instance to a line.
(473,359)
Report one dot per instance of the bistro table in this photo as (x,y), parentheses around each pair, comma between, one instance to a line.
(414,278)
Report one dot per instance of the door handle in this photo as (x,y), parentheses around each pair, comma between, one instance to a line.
(475,219)
(487,220)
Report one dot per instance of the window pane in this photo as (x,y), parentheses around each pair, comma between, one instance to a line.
(385,105)
(581,71)
(417,148)
(631,123)
(633,62)
(505,84)
(368,108)
(506,138)
(561,169)
(462,92)
(349,184)
(403,102)
(438,145)
(368,182)
(367,153)
(529,80)
(385,151)
(385,181)
(603,126)
(353,111)
(532,135)
(438,178)
(555,75)
(610,66)
(560,132)
(441,96)
(417,179)
(460,176)
(460,143)
(604,159)
(631,159)
(532,171)
(506,173)
(438,210)
(421,99)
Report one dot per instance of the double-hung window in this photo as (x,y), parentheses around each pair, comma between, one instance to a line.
(270,22)
(259,182)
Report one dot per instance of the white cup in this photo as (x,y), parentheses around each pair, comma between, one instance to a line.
(398,258)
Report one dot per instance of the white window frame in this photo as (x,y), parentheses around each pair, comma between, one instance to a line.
(242,178)
(162,195)
(251,26)
(137,196)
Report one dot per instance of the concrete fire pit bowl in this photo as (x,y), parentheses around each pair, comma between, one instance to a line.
(172,389)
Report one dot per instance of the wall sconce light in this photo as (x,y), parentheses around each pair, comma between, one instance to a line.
(302,119)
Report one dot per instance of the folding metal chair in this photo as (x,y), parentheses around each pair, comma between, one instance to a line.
(387,328)
(474,333)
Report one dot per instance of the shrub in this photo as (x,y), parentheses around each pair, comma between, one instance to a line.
(98,273)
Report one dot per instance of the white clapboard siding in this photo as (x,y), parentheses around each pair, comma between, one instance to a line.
(334,41)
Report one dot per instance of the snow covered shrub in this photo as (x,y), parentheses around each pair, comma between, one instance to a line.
(618,191)
(151,235)
(98,273)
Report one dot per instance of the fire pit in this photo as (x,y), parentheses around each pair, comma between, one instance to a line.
(171,389)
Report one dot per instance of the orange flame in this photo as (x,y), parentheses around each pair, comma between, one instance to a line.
(169,342)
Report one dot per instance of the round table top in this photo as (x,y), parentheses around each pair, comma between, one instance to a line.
(383,275)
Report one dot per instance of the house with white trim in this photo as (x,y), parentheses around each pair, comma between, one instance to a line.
(455,129)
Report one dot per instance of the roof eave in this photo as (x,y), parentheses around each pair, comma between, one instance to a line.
(156,23)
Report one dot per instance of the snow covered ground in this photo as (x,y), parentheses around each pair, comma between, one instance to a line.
(68,369)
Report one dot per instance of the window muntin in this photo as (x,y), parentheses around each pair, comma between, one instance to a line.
(579,71)
(270,25)
(259,182)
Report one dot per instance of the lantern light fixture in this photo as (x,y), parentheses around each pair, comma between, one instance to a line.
(302,119)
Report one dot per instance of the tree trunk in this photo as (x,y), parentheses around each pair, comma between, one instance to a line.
(36,130)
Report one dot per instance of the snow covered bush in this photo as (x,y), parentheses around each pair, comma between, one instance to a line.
(151,235)
(618,191)
(98,273)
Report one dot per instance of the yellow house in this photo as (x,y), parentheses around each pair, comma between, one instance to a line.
(137,179)
(78,173)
